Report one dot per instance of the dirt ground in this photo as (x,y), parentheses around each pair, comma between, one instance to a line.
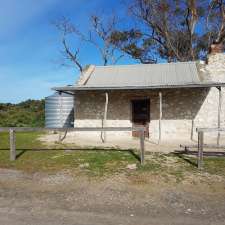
(62,198)
(122,142)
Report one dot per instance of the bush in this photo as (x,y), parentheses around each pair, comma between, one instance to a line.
(29,113)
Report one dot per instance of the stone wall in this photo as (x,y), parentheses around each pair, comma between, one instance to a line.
(216,67)
(181,109)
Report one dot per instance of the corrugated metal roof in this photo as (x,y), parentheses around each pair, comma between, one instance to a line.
(143,76)
(182,73)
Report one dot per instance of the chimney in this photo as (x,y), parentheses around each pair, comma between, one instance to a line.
(216,63)
(216,48)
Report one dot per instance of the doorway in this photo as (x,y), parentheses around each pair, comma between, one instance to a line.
(141,115)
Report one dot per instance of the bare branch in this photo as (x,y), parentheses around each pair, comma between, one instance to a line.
(221,35)
(72,56)
(98,35)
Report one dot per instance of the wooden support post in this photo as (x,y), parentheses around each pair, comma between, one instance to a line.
(200,149)
(142,145)
(219,113)
(160,115)
(60,111)
(105,115)
(192,129)
(12,141)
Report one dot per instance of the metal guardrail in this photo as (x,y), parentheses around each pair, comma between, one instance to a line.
(12,135)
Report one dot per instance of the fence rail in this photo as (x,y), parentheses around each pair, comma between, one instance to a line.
(201,145)
(210,129)
(30,129)
(12,135)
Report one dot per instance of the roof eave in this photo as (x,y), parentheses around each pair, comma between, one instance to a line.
(103,88)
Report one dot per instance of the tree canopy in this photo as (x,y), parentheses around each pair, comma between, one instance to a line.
(171,30)
(179,30)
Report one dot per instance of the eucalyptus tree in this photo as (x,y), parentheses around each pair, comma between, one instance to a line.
(174,30)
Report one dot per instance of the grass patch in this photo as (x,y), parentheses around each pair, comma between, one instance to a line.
(97,162)
(180,166)
(91,162)
(211,165)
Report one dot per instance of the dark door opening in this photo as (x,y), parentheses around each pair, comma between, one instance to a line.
(141,115)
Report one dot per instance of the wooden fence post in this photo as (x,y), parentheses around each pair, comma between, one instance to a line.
(219,116)
(12,140)
(200,149)
(142,145)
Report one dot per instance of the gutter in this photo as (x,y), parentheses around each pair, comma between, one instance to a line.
(105,88)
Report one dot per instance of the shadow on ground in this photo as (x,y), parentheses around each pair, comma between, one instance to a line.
(22,151)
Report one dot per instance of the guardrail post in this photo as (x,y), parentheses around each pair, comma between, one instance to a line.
(12,140)
(200,149)
(142,145)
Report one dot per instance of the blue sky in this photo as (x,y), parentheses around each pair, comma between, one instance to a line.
(30,45)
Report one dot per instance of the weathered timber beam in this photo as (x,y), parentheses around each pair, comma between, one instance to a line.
(105,115)
(160,116)
(200,149)
(142,146)
(192,129)
(219,115)
(210,129)
(60,115)
(12,143)
(205,146)
(40,129)
(12,131)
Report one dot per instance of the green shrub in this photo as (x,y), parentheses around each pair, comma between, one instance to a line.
(29,113)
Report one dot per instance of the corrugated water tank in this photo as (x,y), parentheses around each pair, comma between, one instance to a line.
(59,110)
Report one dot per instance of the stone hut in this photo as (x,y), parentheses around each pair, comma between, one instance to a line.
(171,100)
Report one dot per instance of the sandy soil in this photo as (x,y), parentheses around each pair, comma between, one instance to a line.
(63,198)
(89,140)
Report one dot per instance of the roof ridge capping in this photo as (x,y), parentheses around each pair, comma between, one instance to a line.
(142,64)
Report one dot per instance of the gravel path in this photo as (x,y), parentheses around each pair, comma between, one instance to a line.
(61,199)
